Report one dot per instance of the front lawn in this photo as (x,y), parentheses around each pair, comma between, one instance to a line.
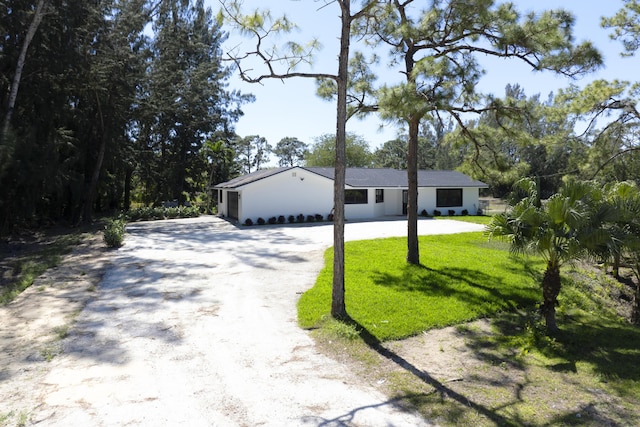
(462,277)
(508,372)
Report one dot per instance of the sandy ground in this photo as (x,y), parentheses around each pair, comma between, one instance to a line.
(192,322)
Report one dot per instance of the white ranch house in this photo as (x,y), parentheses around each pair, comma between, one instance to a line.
(370,193)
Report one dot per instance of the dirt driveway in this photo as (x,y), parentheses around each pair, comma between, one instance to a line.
(194,323)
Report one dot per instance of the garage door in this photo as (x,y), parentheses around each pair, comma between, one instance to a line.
(232,200)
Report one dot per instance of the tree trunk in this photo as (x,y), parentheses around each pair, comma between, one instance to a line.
(127,189)
(338,307)
(92,189)
(615,269)
(413,251)
(15,84)
(550,291)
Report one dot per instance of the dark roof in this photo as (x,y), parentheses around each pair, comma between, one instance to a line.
(369,177)
(251,177)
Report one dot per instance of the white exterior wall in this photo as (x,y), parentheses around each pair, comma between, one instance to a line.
(292,192)
(470,199)
(427,200)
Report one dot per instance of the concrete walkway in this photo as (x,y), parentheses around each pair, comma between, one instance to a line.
(195,324)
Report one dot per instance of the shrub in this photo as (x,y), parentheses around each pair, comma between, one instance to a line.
(133,215)
(172,212)
(248,222)
(188,211)
(300,218)
(451,212)
(319,217)
(330,217)
(147,213)
(464,212)
(114,232)
(273,220)
(157,213)
(292,219)
(261,221)
(311,218)
(281,219)
(424,213)
(436,212)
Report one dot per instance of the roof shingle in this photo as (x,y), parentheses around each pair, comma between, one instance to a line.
(369,177)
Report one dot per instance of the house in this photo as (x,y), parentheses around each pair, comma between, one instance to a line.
(369,193)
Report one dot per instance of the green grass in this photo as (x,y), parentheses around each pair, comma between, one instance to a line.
(462,277)
(475,219)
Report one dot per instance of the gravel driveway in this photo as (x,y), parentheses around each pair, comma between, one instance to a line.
(195,324)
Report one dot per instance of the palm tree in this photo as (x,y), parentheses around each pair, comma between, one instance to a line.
(562,229)
(624,197)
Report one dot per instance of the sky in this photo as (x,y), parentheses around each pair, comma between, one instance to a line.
(290,108)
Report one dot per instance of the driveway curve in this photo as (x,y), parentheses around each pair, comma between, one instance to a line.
(194,323)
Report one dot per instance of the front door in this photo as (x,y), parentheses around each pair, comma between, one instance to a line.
(405,201)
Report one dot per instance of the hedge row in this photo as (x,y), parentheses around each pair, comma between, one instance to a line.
(158,213)
(291,219)
(451,212)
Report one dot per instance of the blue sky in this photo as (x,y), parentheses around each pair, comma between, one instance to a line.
(291,108)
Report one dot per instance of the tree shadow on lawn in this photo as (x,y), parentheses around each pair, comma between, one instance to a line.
(440,388)
(610,348)
(468,286)
(603,350)
(600,408)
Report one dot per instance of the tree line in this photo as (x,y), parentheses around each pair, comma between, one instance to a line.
(108,102)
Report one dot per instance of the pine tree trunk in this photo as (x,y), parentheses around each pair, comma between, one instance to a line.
(92,190)
(413,251)
(338,307)
(550,291)
(127,189)
(17,76)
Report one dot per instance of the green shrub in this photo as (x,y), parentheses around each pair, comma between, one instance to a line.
(172,212)
(248,222)
(148,213)
(292,219)
(188,211)
(114,232)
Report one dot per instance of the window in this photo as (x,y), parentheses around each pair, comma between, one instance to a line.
(356,197)
(379,195)
(448,197)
